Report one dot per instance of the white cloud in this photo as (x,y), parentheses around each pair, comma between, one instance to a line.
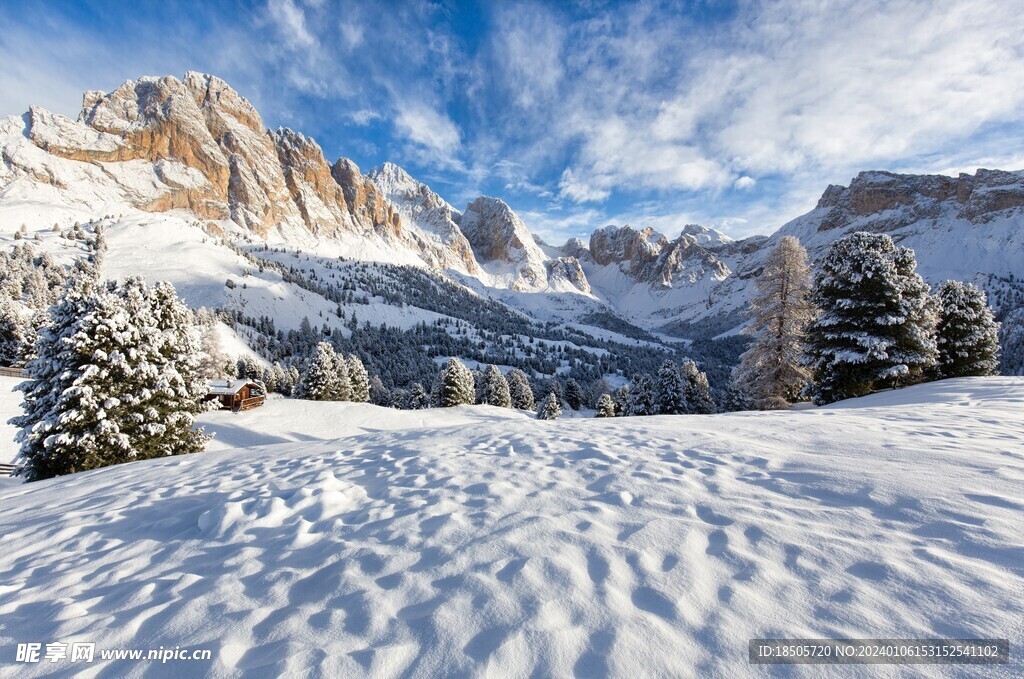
(580,191)
(435,133)
(365,116)
(290,22)
(745,182)
(351,34)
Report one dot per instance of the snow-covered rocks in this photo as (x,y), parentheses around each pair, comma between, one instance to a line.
(499,237)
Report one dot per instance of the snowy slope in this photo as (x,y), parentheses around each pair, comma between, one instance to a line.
(450,543)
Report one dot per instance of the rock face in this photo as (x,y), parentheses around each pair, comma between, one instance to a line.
(441,239)
(650,257)
(211,154)
(496,234)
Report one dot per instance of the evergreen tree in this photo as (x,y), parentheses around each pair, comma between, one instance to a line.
(495,390)
(573,394)
(736,399)
(698,391)
(342,384)
(621,398)
(550,408)
(13,332)
(380,395)
(772,370)
(605,406)
(116,379)
(641,397)
(876,326)
(670,390)
(320,379)
(457,387)
(419,399)
(519,390)
(967,334)
(212,357)
(249,368)
(359,380)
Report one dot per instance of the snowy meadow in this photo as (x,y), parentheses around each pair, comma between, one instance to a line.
(342,539)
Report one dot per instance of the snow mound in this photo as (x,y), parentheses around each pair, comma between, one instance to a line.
(462,544)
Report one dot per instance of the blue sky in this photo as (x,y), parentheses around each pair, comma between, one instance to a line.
(733,114)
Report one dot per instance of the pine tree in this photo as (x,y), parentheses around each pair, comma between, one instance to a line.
(519,390)
(342,383)
(419,399)
(116,379)
(13,334)
(641,397)
(550,408)
(359,380)
(698,391)
(380,395)
(670,390)
(772,370)
(495,389)
(320,378)
(605,406)
(457,387)
(621,399)
(573,394)
(736,399)
(967,334)
(876,326)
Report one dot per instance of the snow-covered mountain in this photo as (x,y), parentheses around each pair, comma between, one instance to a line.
(193,153)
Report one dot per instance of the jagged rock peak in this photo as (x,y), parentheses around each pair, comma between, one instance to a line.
(617,244)
(871,193)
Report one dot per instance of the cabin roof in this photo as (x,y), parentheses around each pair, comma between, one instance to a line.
(230,387)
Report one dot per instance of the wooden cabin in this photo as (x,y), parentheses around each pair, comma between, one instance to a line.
(237,395)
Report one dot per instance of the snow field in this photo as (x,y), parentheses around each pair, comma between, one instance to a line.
(346,540)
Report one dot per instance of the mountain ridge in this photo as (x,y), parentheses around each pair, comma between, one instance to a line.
(163,144)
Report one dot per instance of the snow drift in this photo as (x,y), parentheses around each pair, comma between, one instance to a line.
(346,540)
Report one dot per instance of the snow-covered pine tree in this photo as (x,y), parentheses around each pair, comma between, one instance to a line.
(550,408)
(736,399)
(212,357)
(320,378)
(280,379)
(359,380)
(573,394)
(495,388)
(249,368)
(115,379)
(641,397)
(967,334)
(13,332)
(380,395)
(670,390)
(772,370)
(419,399)
(605,406)
(621,399)
(876,324)
(457,387)
(342,383)
(170,387)
(519,390)
(698,391)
